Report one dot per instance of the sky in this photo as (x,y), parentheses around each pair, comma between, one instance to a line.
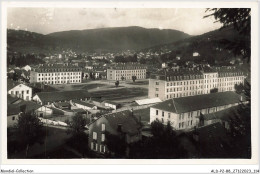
(49,20)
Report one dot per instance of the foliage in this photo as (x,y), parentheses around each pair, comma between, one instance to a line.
(163,144)
(133,78)
(117,83)
(116,144)
(77,124)
(240,19)
(21,60)
(214,90)
(239,88)
(29,130)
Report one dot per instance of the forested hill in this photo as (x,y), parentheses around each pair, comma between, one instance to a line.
(110,39)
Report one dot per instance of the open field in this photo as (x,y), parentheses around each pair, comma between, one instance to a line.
(122,93)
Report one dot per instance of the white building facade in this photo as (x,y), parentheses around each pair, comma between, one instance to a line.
(21,91)
(189,83)
(126,71)
(56,74)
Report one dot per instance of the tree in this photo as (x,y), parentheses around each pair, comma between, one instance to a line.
(77,124)
(122,78)
(142,61)
(117,83)
(239,88)
(240,19)
(116,144)
(133,78)
(29,130)
(214,90)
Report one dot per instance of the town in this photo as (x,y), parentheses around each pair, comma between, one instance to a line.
(156,103)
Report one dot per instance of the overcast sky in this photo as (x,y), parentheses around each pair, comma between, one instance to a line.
(48,20)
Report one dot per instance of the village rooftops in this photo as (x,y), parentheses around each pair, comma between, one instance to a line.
(198,102)
(127,66)
(57,96)
(56,68)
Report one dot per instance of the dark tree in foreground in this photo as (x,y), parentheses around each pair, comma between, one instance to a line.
(133,78)
(77,124)
(240,19)
(162,145)
(116,145)
(29,130)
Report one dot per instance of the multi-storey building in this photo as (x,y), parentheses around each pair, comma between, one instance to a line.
(126,71)
(184,112)
(56,74)
(182,83)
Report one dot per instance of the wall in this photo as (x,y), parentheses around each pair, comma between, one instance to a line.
(24,92)
(10,121)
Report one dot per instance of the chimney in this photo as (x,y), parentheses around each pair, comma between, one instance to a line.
(119,127)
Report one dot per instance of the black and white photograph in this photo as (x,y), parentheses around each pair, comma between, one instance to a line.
(128,83)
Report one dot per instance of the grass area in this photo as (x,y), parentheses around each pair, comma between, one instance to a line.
(139,83)
(121,93)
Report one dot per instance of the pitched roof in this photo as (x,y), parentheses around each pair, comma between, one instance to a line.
(16,108)
(223,115)
(213,140)
(198,102)
(84,103)
(62,95)
(11,84)
(11,99)
(130,124)
(148,101)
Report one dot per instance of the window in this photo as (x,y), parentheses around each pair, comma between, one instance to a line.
(169,115)
(103,127)
(27,92)
(156,83)
(94,135)
(182,124)
(13,118)
(96,147)
(180,117)
(156,112)
(191,122)
(179,125)
(157,89)
(163,114)
(92,145)
(102,137)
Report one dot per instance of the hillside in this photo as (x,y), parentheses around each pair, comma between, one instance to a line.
(209,46)
(110,39)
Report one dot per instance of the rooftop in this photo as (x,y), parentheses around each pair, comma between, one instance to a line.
(83,103)
(198,102)
(148,101)
(56,96)
(56,68)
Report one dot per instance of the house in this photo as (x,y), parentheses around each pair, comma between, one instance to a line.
(84,105)
(183,112)
(12,99)
(27,68)
(19,90)
(14,110)
(47,98)
(224,117)
(12,115)
(112,105)
(119,123)
(44,111)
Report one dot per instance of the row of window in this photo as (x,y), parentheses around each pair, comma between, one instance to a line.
(189,123)
(176,95)
(21,92)
(94,146)
(127,71)
(53,74)
(57,70)
(51,78)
